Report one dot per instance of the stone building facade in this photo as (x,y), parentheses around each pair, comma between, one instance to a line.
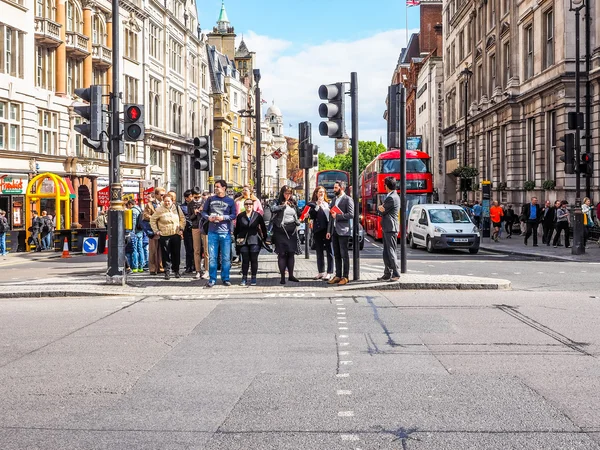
(522,59)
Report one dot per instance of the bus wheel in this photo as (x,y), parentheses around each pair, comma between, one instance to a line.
(411,241)
(430,248)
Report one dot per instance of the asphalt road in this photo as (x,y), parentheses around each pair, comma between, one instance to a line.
(397,370)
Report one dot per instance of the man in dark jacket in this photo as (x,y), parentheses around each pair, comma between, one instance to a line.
(531,214)
(36,228)
(198,236)
(548,218)
(188,241)
(340,231)
(389,224)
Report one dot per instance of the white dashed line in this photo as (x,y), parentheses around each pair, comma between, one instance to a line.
(343,336)
(342,392)
(346,414)
(342,328)
(341,308)
(345,363)
(343,344)
(349,437)
(344,353)
(341,322)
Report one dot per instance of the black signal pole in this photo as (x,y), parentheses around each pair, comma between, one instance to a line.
(588,97)
(257,100)
(403,209)
(354,143)
(115,273)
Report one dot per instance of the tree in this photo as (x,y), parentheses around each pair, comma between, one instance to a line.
(367,151)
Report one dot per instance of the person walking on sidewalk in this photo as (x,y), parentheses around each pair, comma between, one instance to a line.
(168,223)
(285,233)
(496,214)
(588,222)
(477,214)
(548,215)
(154,252)
(219,210)
(532,215)
(188,241)
(4,228)
(509,219)
(195,208)
(389,224)
(135,257)
(320,216)
(562,223)
(340,231)
(36,228)
(249,228)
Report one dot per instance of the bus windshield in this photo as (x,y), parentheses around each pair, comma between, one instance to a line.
(413,165)
(448,216)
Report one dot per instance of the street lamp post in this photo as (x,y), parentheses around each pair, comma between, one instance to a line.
(466,74)
(257,100)
(578,247)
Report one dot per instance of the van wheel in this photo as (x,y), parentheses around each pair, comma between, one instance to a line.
(473,251)
(411,242)
(430,248)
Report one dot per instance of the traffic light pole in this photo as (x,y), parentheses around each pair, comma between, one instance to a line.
(403,209)
(115,273)
(578,248)
(354,141)
(257,100)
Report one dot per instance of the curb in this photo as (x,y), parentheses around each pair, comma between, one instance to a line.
(408,285)
(47,294)
(531,254)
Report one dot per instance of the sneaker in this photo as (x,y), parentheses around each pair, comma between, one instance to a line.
(244,283)
(384,278)
(177,275)
(227,283)
(209,284)
(319,276)
(197,276)
(205,276)
(328,277)
(253,282)
(167,275)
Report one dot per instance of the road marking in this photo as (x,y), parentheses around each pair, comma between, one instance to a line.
(346,414)
(561,272)
(345,363)
(341,322)
(343,375)
(344,353)
(343,336)
(494,273)
(342,328)
(517,273)
(342,392)
(341,308)
(349,437)
(344,344)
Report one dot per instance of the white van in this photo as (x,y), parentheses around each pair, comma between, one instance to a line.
(437,227)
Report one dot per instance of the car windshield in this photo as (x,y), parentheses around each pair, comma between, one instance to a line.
(448,216)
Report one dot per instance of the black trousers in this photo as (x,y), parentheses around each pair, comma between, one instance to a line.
(340,253)
(508,227)
(548,230)
(390,255)
(188,243)
(532,226)
(322,244)
(560,226)
(249,256)
(170,249)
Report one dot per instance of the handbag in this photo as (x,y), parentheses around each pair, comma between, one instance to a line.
(264,245)
(311,242)
(240,241)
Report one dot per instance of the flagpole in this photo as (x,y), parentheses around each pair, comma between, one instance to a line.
(406,17)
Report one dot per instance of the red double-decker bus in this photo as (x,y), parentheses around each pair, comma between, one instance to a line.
(419,185)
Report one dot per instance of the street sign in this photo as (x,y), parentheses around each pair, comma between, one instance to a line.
(90,245)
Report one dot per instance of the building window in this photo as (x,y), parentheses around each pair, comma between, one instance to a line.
(203,76)
(154,41)
(10,125)
(503,142)
(154,102)
(45,9)
(48,132)
(492,14)
(131,44)
(130,152)
(506,63)
(11,56)
(235,147)
(492,75)
(98,31)
(45,68)
(551,140)
(461,46)
(549,39)
(531,149)
(480,81)
(74,20)
(156,157)
(176,109)
(453,57)
(74,71)
(131,90)
(529,43)
(194,69)
(505,6)
(487,158)
(176,56)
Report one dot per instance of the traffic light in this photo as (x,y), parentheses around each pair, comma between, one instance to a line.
(92,113)
(202,153)
(569,152)
(587,164)
(304,138)
(133,129)
(312,155)
(333,110)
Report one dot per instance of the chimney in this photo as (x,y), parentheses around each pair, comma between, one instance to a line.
(438,39)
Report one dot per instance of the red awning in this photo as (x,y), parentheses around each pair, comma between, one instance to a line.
(71,189)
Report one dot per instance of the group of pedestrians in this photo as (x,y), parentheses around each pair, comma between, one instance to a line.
(42,231)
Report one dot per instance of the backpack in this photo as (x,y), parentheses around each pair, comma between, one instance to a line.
(46,225)
(138,223)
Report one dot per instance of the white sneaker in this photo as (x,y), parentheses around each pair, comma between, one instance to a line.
(205,276)
(319,276)
(197,276)
(328,277)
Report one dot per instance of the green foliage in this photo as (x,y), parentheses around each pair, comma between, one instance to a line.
(465,172)
(548,185)
(529,185)
(367,151)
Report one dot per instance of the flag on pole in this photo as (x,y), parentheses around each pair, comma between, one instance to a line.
(263,101)
(413,2)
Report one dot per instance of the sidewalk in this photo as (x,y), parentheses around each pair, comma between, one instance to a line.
(516,246)
(87,278)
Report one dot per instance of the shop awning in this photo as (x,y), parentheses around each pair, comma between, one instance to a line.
(70,186)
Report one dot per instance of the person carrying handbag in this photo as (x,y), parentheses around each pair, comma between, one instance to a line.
(168,223)
(319,214)
(249,227)
(285,233)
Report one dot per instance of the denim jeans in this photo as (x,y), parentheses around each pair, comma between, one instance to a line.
(47,241)
(3,250)
(135,259)
(219,245)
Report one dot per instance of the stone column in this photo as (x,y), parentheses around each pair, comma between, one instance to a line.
(109,44)
(61,51)
(87,31)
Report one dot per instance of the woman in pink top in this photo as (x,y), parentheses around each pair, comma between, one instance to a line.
(247,194)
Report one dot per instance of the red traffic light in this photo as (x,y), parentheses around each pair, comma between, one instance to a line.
(133,113)
(586,157)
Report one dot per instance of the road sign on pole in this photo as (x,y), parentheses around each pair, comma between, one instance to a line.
(90,246)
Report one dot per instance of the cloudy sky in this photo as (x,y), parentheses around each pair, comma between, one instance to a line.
(299,47)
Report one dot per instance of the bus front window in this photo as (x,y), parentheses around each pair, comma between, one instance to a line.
(412,165)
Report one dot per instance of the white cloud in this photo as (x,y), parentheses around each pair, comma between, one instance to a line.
(291,76)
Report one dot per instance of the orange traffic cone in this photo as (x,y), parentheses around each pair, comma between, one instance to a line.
(65,253)
(105,252)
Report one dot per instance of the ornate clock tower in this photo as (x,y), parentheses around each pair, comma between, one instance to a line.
(342,145)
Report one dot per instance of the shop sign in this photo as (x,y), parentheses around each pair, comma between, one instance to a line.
(11,185)
(104,197)
(147,193)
